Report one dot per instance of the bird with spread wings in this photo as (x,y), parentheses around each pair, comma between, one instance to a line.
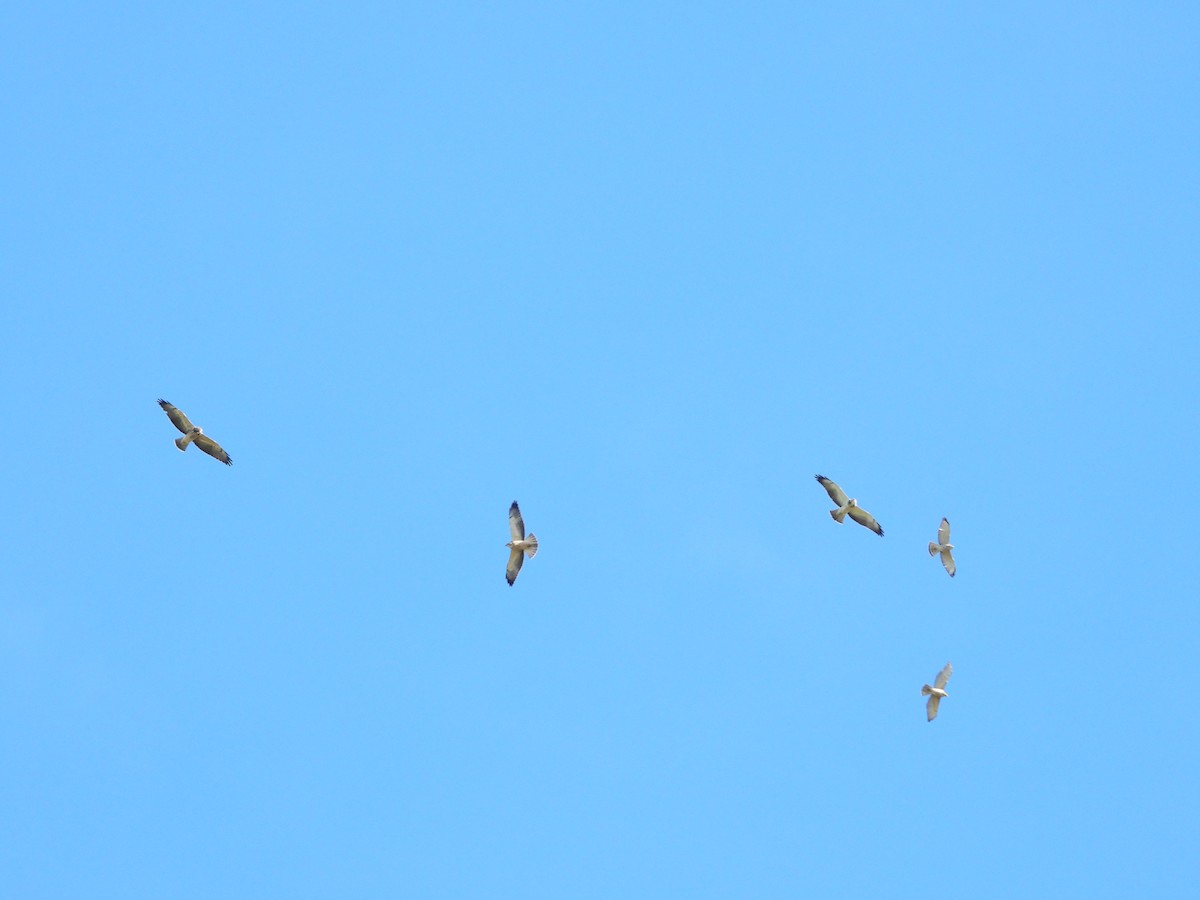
(937,692)
(943,546)
(520,546)
(848,506)
(193,434)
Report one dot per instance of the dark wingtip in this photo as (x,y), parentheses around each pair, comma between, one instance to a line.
(818,477)
(228,461)
(880,532)
(163,403)
(514,506)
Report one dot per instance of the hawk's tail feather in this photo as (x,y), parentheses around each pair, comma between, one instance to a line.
(839,515)
(182,443)
(531,550)
(933,549)
(926,690)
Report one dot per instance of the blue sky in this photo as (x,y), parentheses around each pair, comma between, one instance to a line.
(645,268)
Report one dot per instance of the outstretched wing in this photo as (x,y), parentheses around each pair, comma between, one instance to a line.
(516,525)
(178,419)
(515,558)
(836,494)
(943,676)
(864,518)
(212,448)
(931,707)
(948,562)
(944,532)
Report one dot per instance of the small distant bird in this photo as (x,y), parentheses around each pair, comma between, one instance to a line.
(520,546)
(193,433)
(847,505)
(943,546)
(937,692)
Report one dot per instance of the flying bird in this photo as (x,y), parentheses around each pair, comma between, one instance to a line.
(943,546)
(847,505)
(193,433)
(937,692)
(520,546)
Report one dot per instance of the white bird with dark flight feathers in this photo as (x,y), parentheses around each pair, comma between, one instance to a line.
(193,433)
(520,546)
(936,693)
(848,506)
(943,546)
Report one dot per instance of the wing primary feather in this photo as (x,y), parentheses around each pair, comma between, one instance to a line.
(213,449)
(516,524)
(836,494)
(175,414)
(864,518)
(948,562)
(515,558)
(943,676)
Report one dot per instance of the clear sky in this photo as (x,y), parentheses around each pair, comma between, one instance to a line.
(645,268)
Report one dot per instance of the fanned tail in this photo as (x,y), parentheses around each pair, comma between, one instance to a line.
(531,550)
(933,549)
(839,515)
(182,443)
(926,690)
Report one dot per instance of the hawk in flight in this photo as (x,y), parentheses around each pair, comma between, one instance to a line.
(937,692)
(847,505)
(943,546)
(520,546)
(193,433)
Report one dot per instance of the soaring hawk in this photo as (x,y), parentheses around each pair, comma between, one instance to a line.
(520,546)
(193,433)
(848,506)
